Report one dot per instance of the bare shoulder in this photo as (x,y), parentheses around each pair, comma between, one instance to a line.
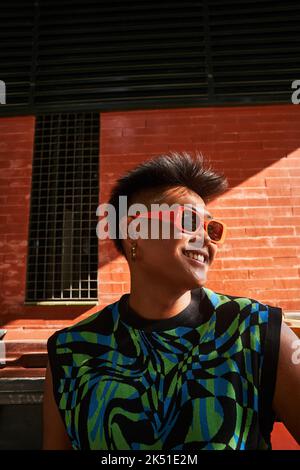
(287,389)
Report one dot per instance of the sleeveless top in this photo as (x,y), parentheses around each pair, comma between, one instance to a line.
(202,379)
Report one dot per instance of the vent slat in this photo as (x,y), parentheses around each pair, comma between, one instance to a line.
(71,54)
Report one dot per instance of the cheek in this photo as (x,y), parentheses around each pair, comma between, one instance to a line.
(161,251)
(213,251)
(171,248)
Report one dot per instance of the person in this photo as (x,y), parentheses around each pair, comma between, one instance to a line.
(172,365)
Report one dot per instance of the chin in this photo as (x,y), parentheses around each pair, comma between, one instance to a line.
(200,283)
(196,282)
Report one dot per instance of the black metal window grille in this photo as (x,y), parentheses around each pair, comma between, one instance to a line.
(63,245)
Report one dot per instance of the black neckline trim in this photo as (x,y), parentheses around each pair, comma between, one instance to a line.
(189,316)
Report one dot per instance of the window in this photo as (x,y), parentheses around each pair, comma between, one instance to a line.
(63,245)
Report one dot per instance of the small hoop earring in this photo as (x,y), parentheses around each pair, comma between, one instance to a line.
(133,252)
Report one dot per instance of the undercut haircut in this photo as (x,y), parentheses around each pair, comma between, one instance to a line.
(165,171)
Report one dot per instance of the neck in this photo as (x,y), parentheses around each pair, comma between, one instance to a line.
(155,301)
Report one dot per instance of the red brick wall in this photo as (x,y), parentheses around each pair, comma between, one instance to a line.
(16,151)
(17,135)
(258,148)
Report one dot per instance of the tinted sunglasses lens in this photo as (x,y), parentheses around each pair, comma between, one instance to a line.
(215,230)
(190,221)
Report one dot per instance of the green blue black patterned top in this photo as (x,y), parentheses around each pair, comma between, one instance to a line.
(202,379)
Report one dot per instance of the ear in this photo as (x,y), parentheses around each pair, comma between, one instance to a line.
(128,243)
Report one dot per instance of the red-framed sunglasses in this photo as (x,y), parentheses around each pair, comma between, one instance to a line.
(188,220)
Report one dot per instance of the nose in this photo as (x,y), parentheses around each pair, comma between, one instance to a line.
(206,238)
(199,240)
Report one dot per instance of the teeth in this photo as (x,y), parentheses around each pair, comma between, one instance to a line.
(196,256)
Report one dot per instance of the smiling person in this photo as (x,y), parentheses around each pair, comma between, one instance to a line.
(172,365)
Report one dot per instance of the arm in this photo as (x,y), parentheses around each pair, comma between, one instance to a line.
(286,402)
(55,436)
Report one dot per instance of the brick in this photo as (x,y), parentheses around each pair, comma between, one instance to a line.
(20,190)
(296,210)
(16,200)
(286,294)
(277,172)
(287,283)
(111,287)
(294,172)
(274,117)
(171,121)
(259,252)
(19,183)
(248,284)
(286,146)
(254,182)
(279,182)
(17,154)
(18,217)
(286,241)
(153,131)
(228,274)
(21,163)
(107,277)
(11,258)
(111,122)
(7,147)
(290,305)
(126,287)
(248,145)
(279,135)
(268,211)
(261,262)
(269,156)
(11,173)
(196,131)
(249,216)
(291,221)
(269,231)
(265,273)
(217,286)
(218,264)
(115,269)
(239,202)
(275,191)
(237,232)
(113,132)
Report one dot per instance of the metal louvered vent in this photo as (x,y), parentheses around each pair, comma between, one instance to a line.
(255,49)
(111,54)
(120,52)
(62,257)
(16,51)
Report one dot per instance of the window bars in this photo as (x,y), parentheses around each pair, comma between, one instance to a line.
(63,245)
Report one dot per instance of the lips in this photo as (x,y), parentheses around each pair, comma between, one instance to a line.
(197,255)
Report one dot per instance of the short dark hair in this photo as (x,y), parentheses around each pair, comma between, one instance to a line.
(165,171)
